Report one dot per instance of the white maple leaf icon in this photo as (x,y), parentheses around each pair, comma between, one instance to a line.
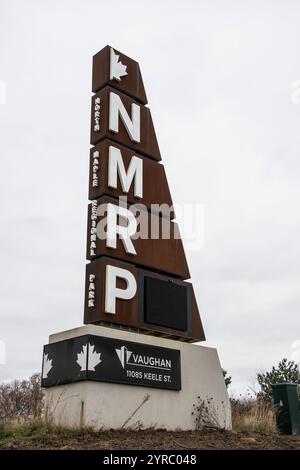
(117,69)
(94,358)
(81,358)
(47,366)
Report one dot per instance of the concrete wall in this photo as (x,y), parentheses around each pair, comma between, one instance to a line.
(105,405)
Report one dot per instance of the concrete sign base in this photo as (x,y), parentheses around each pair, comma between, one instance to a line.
(105,405)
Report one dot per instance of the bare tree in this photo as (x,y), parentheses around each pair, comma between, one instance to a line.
(21,398)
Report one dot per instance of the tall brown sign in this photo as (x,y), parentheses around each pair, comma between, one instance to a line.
(138,270)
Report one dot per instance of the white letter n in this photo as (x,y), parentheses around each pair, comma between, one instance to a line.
(132,125)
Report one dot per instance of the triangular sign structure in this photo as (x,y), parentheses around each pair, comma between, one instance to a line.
(137,274)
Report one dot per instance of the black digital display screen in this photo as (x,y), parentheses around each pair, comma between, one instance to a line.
(165,303)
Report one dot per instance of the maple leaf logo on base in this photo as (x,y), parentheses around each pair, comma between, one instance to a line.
(94,358)
(117,69)
(47,366)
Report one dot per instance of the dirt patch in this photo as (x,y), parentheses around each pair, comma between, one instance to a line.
(147,439)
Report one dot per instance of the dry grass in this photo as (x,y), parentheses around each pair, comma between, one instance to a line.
(37,432)
(253,415)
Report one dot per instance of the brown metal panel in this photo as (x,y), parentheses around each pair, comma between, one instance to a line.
(163,255)
(128,311)
(153,193)
(147,146)
(130,84)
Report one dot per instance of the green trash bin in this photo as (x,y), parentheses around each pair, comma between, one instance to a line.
(287,407)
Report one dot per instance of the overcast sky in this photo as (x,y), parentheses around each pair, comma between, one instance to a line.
(219,77)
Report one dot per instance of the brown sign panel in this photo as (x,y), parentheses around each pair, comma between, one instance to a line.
(136,277)
(147,307)
(155,245)
(118,117)
(111,67)
(102,166)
